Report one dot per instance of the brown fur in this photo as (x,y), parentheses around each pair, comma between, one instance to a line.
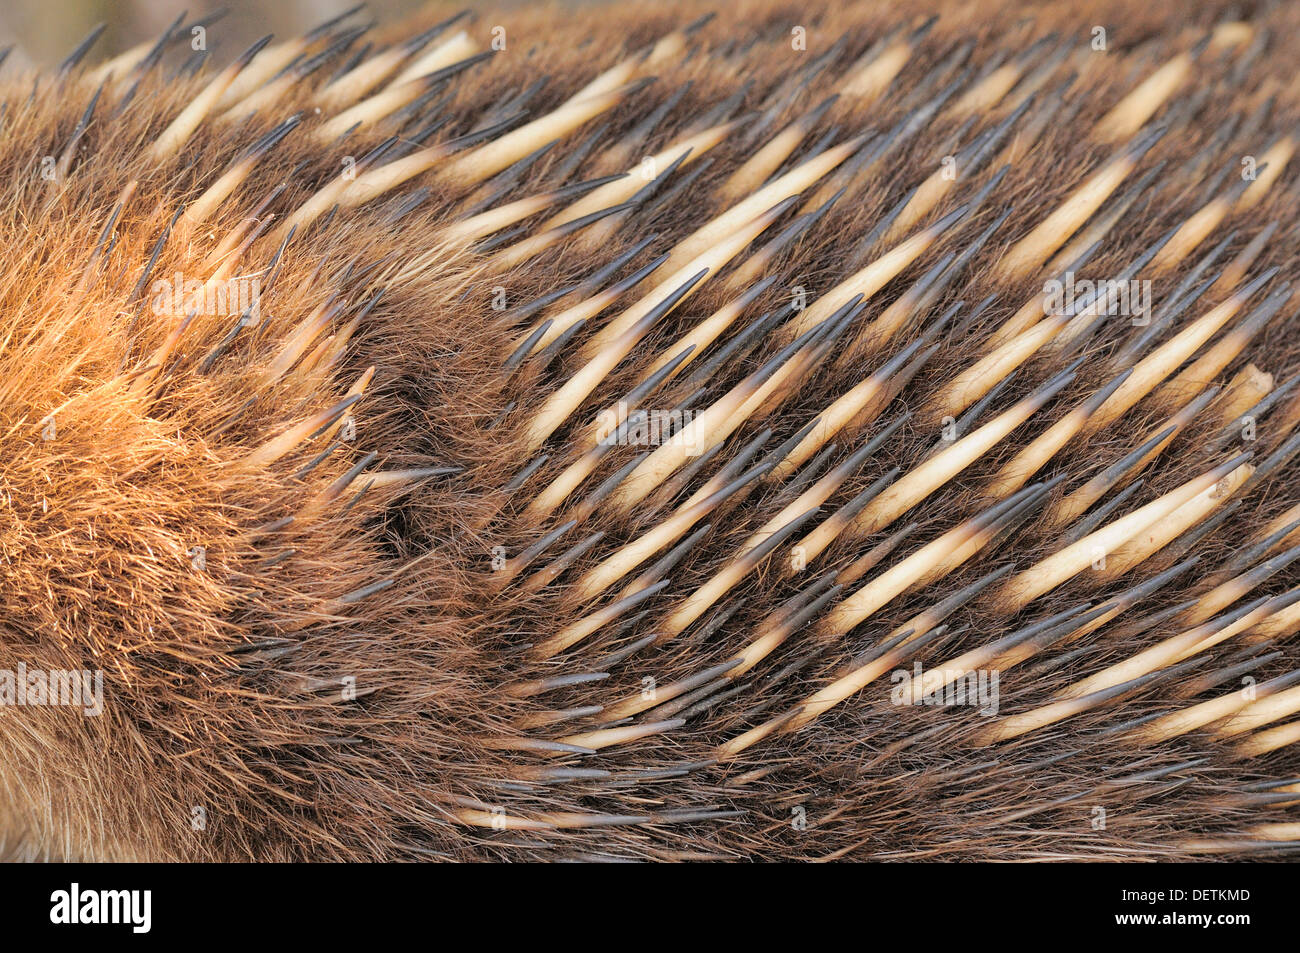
(224,685)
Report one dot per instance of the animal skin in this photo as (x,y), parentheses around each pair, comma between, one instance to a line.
(773,432)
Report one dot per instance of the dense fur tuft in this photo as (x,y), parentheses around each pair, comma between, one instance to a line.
(366,579)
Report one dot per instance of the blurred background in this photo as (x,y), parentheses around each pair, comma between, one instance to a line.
(43,32)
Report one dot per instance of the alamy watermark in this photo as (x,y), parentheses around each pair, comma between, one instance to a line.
(616,426)
(177,297)
(1073,296)
(975,687)
(133,908)
(68,688)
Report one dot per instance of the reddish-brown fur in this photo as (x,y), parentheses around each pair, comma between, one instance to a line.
(302,711)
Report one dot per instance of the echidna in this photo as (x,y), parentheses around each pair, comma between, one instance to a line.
(636,432)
